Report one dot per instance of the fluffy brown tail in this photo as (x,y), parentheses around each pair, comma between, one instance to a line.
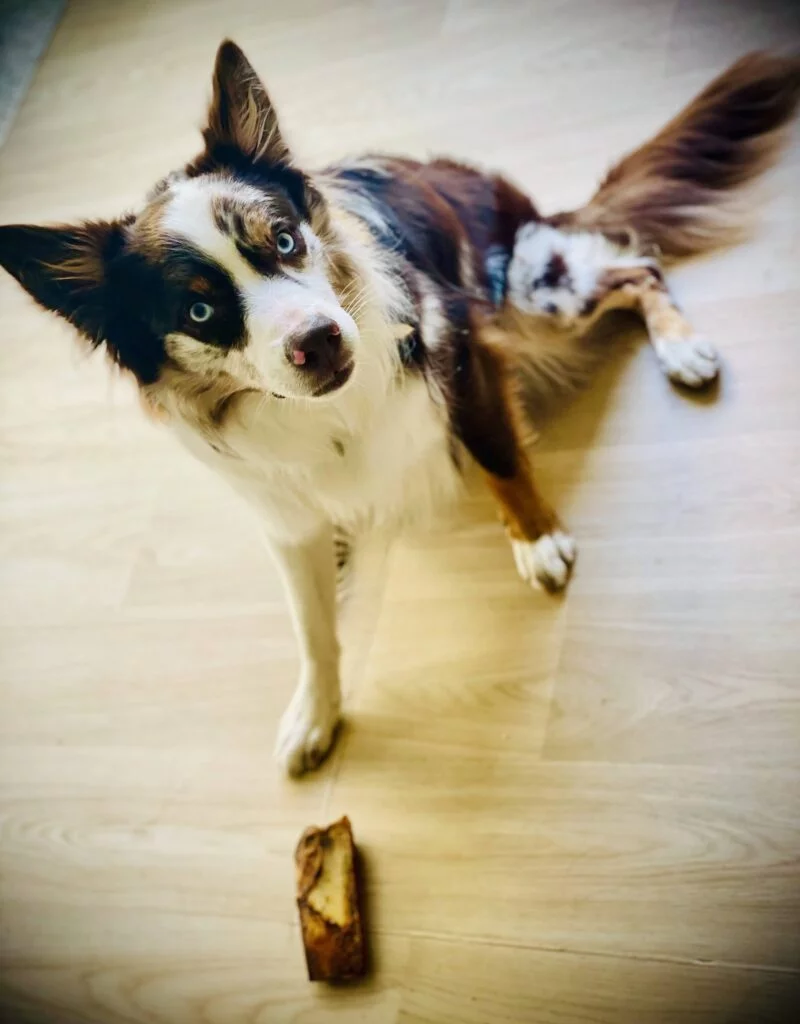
(673,193)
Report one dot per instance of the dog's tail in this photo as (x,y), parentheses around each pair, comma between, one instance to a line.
(673,194)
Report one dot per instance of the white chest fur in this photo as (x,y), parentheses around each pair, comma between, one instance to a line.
(375,460)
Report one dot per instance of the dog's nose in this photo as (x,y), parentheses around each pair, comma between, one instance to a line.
(316,347)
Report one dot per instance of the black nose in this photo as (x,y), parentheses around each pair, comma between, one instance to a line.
(316,347)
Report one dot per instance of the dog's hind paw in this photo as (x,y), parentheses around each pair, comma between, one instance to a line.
(547,561)
(306,732)
(689,361)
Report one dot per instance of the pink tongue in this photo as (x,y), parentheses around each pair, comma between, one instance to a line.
(298,357)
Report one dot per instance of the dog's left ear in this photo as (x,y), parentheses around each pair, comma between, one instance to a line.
(241,114)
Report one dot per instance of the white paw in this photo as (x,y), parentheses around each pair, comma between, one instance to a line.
(692,361)
(548,560)
(306,732)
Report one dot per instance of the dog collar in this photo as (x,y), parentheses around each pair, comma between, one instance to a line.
(496,266)
(410,348)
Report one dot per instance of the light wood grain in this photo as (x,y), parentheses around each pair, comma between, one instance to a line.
(572,811)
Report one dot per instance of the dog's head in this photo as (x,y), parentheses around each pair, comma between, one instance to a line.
(232,269)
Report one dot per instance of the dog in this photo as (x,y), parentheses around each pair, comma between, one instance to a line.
(338,345)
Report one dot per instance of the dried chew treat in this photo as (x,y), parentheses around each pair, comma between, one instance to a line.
(327,897)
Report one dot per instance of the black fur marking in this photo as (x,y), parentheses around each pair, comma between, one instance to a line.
(343,548)
(263,261)
(489,208)
(187,276)
(556,274)
(117,296)
(411,349)
(34,255)
(435,216)
(480,415)
(87,275)
(129,336)
(414,227)
(270,177)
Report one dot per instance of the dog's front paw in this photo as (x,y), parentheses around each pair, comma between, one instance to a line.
(306,731)
(690,361)
(547,561)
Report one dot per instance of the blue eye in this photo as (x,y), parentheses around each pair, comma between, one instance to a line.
(285,243)
(200,312)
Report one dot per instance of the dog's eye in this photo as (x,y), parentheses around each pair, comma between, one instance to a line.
(285,243)
(200,312)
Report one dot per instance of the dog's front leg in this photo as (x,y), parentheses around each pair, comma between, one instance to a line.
(308,725)
(489,419)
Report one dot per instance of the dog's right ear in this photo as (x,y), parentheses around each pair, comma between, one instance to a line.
(65,269)
(87,275)
(241,115)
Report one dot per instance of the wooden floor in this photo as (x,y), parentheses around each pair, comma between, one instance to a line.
(574,811)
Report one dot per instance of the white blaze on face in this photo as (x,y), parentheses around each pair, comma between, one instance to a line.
(188,215)
(275,306)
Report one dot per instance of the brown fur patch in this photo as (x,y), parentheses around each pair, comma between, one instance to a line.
(343,275)
(489,209)
(643,288)
(147,233)
(83,260)
(442,217)
(241,113)
(200,286)
(671,193)
(556,274)
(523,511)
(489,419)
(247,222)
(84,267)
(481,415)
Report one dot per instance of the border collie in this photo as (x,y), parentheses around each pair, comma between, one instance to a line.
(338,344)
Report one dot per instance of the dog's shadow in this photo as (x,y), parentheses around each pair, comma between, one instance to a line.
(570,426)
(569,429)
(572,423)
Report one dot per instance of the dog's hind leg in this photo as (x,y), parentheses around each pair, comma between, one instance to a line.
(570,278)
(685,357)
(675,196)
(488,420)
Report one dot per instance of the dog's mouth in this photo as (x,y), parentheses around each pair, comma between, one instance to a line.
(335,381)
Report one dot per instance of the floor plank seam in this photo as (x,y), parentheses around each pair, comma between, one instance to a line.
(349,695)
(476,940)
